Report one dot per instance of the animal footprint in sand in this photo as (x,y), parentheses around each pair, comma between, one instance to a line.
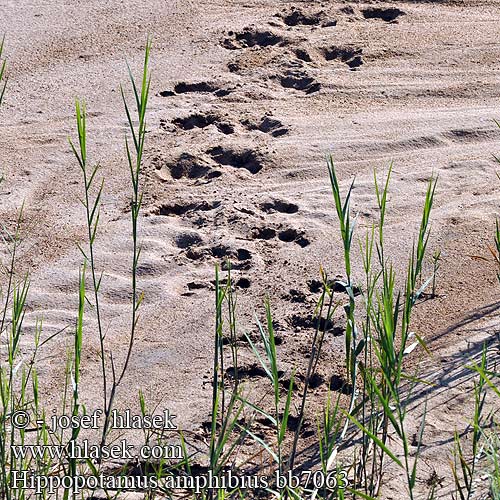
(348,55)
(199,120)
(267,125)
(251,37)
(289,235)
(297,17)
(247,159)
(388,15)
(299,80)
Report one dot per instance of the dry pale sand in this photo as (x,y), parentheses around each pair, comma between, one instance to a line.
(248,98)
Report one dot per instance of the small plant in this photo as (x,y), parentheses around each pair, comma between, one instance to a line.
(463,468)
(3,79)
(269,363)
(112,376)
(496,249)
(382,350)
(225,416)
(436,264)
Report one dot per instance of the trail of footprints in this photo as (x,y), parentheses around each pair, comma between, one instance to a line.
(291,72)
(292,63)
(301,324)
(213,229)
(284,38)
(195,245)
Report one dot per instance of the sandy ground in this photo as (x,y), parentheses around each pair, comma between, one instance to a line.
(248,98)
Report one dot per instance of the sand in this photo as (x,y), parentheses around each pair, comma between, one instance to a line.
(247,100)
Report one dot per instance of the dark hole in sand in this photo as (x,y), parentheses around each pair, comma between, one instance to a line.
(316,380)
(243,254)
(195,120)
(198,120)
(221,251)
(190,167)
(196,285)
(300,81)
(251,371)
(355,62)
(294,422)
(297,17)
(348,55)
(296,296)
(310,322)
(303,55)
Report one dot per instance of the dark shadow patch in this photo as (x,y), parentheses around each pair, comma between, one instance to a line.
(185,87)
(195,121)
(263,233)
(231,257)
(243,254)
(293,423)
(225,127)
(295,296)
(203,87)
(340,287)
(197,285)
(303,55)
(355,62)
(272,126)
(221,251)
(252,371)
(316,381)
(190,167)
(193,253)
(267,125)
(316,286)
(243,283)
(311,323)
(297,17)
(166,93)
